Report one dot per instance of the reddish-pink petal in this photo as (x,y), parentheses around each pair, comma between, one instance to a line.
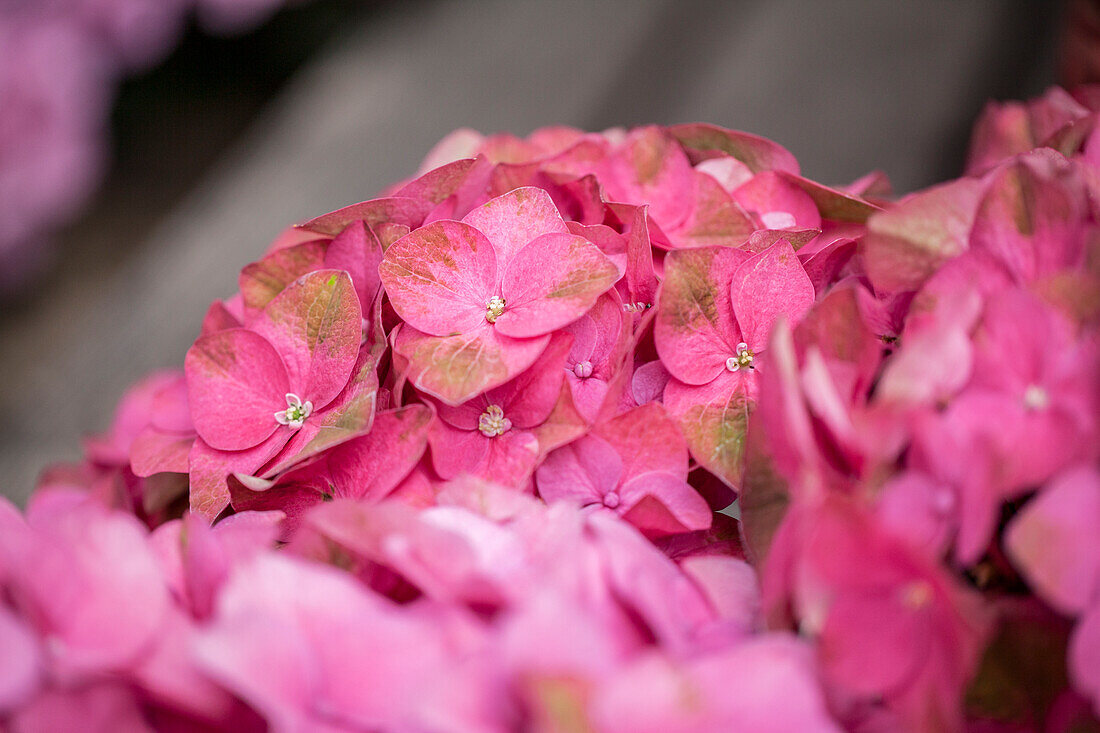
(771,284)
(552,282)
(514,219)
(236,382)
(458,368)
(584,471)
(695,331)
(440,277)
(316,326)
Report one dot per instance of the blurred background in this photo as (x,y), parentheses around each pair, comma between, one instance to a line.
(151,148)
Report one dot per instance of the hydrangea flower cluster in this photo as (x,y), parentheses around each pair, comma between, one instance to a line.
(59,63)
(631,431)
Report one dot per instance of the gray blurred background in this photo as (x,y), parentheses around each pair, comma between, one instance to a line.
(230,141)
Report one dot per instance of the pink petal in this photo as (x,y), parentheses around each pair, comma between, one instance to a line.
(209,467)
(647,439)
(261,281)
(1053,541)
(357,251)
(97,708)
(236,382)
(648,382)
(552,282)
(316,326)
(694,331)
(371,466)
(1029,221)
(768,194)
(907,243)
(20,664)
(155,452)
(439,183)
(441,276)
(1084,657)
(770,284)
(715,218)
(652,169)
(873,643)
(758,153)
(457,368)
(584,471)
(661,503)
(514,219)
(712,418)
(833,204)
(584,340)
(397,210)
(528,399)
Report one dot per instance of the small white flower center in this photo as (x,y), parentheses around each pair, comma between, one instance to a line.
(742,359)
(582,369)
(296,412)
(1036,398)
(493,423)
(494,308)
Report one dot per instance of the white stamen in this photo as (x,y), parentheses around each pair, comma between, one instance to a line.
(1036,398)
(743,358)
(494,308)
(582,369)
(493,423)
(295,413)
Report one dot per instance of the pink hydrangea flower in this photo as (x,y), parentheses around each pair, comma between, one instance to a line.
(496,434)
(716,310)
(636,466)
(270,390)
(481,296)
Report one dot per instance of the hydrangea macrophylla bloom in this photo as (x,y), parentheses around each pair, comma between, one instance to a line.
(269,389)
(599,341)
(480,297)
(496,434)
(890,627)
(1029,409)
(636,466)
(716,310)
(903,397)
